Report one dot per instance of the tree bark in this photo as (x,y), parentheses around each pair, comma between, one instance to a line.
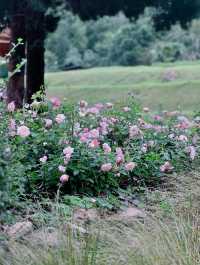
(15,88)
(35,33)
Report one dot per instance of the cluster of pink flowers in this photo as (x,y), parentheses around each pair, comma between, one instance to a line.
(11,106)
(119,156)
(56,103)
(166,167)
(107,149)
(130,166)
(68,151)
(116,141)
(134,131)
(191,150)
(48,123)
(106,167)
(64,178)
(43,159)
(23,131)
(60,118)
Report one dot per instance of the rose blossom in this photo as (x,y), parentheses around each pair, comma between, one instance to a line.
(60,118)
(43,159)
(12,125)
(48,123)
(183,138)
(119,156)
(93,110)
(99,106)
(106,167)
(64,178)
(106,148)
(62,169)
(23,131)
(166,167)
(11,106)
(94,143)
(55,102)
(130,166)
(94,133)
(68,151)
(192,152)
(134,131)
(84,138)
(104,127)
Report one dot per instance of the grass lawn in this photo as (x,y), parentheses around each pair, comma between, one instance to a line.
(145,82)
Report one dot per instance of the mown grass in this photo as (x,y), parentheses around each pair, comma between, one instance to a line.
(145,82)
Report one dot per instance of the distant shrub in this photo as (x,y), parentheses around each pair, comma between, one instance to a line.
(114,40)
(117,40)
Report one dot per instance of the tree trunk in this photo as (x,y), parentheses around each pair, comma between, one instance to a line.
(35,33)
(15,88)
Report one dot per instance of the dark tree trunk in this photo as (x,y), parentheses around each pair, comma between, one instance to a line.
(35,33)
(15,89)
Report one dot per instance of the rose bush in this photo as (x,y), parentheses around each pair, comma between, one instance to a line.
(92,149)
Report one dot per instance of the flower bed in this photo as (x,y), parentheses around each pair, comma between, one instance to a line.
(92,149)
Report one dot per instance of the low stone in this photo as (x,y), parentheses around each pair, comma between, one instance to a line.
(128,213)
(19,229)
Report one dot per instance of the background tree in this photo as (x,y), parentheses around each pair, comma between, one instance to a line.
(29,20)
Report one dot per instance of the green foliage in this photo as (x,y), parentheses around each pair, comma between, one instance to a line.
(105,41)
(117,40)
(71,33)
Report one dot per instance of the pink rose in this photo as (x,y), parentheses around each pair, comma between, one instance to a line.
(106,148)
(62,169)
(43,159)
(191,150)
(11,106)
(64,178)
(48,123)
(60,118)
(134,131)
(94,133)
(183,138)
(94,143)
(84,138)
(119,156)
(130,166)
(93,110)
(55,102)
(68,151)
(166,168)
(12,125)
(106,167)
(23,131)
